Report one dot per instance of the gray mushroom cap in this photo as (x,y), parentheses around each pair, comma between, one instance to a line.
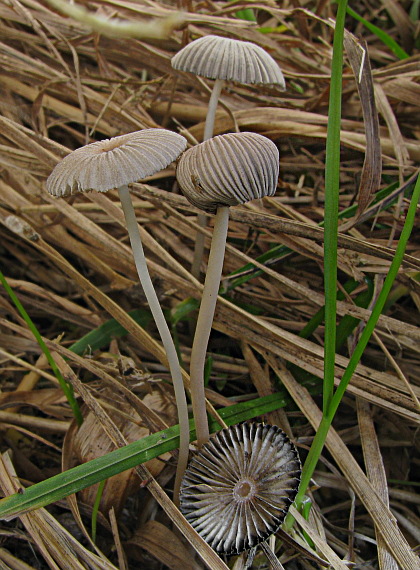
(228,170)
(115,162)
(233,60)
(237,490)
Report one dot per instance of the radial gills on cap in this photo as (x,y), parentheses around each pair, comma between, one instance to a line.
(115,162)
(238,488)
(216,57)
(228,170)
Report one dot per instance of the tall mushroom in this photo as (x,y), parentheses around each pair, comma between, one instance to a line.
(238,488)
(223,171)
(115,163)
(224,59)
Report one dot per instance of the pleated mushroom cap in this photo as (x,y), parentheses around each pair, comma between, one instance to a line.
(237,490)
(228,170)
(233,60)
(115,162)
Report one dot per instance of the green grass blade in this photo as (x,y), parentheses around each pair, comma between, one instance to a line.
(322,431)
(318,317)
(348,323)
(246,14)
(383,36)
(332,191)
(332,187)
(95,508)
(102,335)
(279,30)
(91,472)
(344,329)
(183,311)
(415,11)
(67,389)
(380,303)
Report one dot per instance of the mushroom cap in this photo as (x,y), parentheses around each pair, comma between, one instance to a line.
(228,170)
(115,162)
(238,488)
(234,60)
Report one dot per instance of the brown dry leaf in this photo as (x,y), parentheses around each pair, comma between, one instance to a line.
(41,399)
(12,562)
(231,320)
(388,114)
(70,310)
(376,472)
(257,220)
(163,544)
(402,20)
(261,379)
(91,441)
(370,179)
(44,425)
(403,89)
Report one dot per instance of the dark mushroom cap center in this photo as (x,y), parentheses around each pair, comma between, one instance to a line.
(245,490)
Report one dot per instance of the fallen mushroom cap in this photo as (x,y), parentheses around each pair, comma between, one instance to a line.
(238,488)
(233,60)
(115,162)
(228,170)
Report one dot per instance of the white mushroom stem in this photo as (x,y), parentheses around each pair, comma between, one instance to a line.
(204,322)
(211,111)
(208,133)
(198,247)
(162,326)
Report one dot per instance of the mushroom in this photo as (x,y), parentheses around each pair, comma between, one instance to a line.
(223,171)
(115,163)
(237,490)
(224,59)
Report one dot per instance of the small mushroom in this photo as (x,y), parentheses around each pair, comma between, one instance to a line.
(115,163)
(224,59)
(237,490)
(223,171)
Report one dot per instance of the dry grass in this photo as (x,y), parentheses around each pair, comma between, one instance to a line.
(62,86)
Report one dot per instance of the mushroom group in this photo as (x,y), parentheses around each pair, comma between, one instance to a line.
(239,486)
(224,59)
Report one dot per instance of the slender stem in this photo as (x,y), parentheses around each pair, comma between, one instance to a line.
(202,218)
(198,247)
(332,189)
(211,111)
(162,326)
(204,322)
